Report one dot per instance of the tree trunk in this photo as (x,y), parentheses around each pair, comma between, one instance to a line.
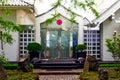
(24,64)
(3,75)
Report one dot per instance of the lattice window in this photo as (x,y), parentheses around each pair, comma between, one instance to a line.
(92,40)
(25,37)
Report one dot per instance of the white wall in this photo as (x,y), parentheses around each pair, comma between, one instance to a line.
(108,29)
(25,17)
(11,51)
(20,17)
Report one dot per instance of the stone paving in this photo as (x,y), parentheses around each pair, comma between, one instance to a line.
(58,74)
(59,77)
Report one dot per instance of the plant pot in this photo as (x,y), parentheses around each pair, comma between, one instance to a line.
(33,55)
(81,54)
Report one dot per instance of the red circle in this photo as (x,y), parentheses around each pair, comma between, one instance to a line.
(59,21)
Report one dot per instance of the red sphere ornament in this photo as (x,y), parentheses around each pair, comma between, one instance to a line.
(59,21)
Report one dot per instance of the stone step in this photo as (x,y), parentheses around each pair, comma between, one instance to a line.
(60,77)
(52,66)
(57,71)
(58,63)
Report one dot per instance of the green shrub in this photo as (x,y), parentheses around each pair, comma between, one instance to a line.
(34,47)
(81,47)
(10,66)
(109,65)
(14,66)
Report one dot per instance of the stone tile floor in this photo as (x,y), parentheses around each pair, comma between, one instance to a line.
(58,74)
(59,77)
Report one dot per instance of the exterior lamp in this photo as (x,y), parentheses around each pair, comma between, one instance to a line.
(114,33)
(59,22)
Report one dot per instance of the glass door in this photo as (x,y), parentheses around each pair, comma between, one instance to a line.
(58,42)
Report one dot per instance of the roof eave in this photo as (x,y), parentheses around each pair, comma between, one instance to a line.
(55,8)
(106,14)
(16,7)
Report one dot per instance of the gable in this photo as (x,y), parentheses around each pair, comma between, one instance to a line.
(65,23)
(60,10)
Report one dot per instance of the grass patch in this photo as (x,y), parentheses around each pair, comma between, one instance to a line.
(93,75)
(89,76)
(20,75)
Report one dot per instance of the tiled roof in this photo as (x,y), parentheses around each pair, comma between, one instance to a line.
(19,3)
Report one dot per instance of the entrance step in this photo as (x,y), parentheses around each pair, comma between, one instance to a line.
(58,63)
(57,71)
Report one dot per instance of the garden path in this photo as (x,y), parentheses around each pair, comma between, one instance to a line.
(58,74)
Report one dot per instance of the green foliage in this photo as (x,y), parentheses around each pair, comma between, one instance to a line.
(109,65)
(81,47)
(2,58)
(72,19)
(86,5)
(75,4)
(5,28)
(113,46)
(10,66)
(19,75)
(57,3)
(51,20)
(2,2)
(7,12)
(34,47)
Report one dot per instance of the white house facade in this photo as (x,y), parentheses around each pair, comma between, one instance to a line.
(109,22)
(59,37)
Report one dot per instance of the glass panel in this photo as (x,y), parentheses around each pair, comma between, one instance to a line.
(65,43)
(58,44)
(52,43)
(43,42)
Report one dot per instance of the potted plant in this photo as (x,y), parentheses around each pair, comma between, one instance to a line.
(34,49)
(80,48)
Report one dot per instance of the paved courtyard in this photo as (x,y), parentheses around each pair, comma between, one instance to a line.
(58,74)
(59,77)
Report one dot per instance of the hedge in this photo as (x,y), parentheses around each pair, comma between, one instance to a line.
(109,65)
(12,66)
